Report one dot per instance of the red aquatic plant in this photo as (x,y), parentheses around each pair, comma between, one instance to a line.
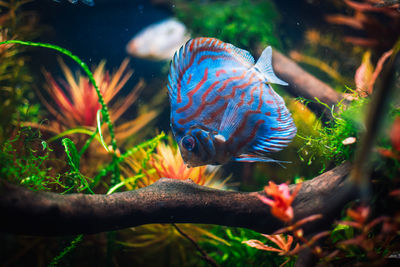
(77,100)
(394,135)
(377,22)
(281,202)
(366,240)
(75,103)
(284,244)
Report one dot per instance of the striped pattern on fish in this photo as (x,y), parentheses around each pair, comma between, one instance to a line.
(223,106)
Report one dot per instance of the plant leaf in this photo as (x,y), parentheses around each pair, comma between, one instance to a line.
(72,154)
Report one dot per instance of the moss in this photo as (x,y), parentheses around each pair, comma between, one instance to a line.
(327,144)
(23,160)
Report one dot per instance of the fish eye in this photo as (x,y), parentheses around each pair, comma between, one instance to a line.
(188,142)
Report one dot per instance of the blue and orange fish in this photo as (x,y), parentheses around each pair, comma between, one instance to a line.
(223,106)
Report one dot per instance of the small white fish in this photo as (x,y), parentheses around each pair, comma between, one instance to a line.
(87,2)
(159,41)
(349,141)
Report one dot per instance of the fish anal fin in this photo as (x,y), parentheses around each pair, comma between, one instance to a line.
(257,158)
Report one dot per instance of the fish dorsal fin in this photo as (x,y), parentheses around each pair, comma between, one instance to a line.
(264,66)
(244,56)
(187,60)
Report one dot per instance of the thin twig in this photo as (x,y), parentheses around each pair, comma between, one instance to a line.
(204,254)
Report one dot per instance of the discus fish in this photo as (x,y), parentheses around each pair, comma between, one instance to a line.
(223,106)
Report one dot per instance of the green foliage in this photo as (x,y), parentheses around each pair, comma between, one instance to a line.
(64,51)
(72,154)
(150,144)
(15,79)
(68,249)
(238,254)
(327,145)
(23,160)
(73,160)
(244,23)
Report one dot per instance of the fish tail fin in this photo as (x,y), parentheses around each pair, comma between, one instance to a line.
(264,66)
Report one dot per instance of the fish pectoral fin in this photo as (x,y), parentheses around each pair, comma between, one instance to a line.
(264,66)
(230,120)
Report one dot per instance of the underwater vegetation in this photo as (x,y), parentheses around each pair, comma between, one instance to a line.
(379,33)
(245,23)
(123,193)
(15,80)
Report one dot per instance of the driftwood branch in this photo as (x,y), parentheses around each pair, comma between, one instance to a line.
(304,84)
(166,201)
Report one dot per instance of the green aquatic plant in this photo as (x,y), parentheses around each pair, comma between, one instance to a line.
(73,180)
(104,108)
(335,142)
(24,158)
(15,78)
(245,23)
(56,260)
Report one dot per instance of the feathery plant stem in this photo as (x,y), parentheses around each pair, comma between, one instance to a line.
(72,246)
(149,143)
(104,108)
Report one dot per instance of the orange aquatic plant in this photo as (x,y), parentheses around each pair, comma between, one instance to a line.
(281,202)
(284,244)
(144,169)
(366,76)
(167,162)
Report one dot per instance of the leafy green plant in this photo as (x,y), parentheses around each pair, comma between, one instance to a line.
(244,23)
(23,160)
(335,142)
(73,180)
(15,79)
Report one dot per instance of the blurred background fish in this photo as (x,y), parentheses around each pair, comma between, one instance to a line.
(159,41)
(87,2)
